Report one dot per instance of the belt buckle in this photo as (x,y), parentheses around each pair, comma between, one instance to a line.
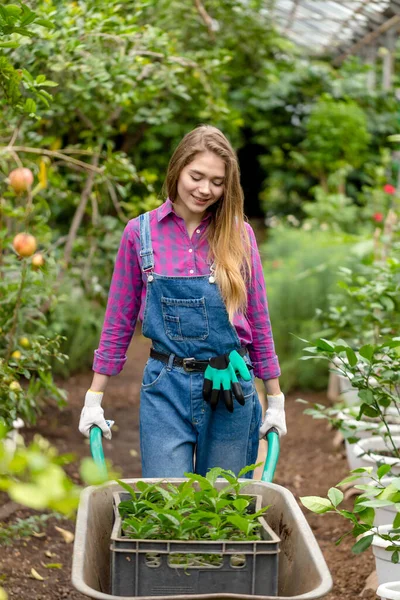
(186,364)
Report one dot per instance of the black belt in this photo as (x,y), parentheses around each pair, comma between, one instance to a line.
(189,364)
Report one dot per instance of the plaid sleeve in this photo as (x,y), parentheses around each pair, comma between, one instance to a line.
(262,349)
(123,307)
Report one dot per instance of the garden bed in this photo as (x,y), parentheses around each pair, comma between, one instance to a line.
(309,464)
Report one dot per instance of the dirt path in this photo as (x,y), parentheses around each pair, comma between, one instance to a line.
(309,465)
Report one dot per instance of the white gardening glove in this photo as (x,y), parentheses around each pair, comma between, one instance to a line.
(93,414)
(274,416)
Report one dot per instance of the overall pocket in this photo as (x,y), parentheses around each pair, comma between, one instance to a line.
(153,372)
(185,318)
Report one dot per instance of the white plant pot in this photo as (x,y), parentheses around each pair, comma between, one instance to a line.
(373,445)
(384,515)
(385,570)
(363,429)
(389,591)
(353,460)
(348,393)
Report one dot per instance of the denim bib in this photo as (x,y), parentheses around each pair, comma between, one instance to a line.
(185,316)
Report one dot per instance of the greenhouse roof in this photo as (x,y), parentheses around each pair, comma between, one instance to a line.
(327,26)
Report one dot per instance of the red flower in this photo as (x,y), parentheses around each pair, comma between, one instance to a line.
(378,217)
(389,189)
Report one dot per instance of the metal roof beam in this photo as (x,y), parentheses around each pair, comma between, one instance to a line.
(346,22)
(393,22)
(292,15)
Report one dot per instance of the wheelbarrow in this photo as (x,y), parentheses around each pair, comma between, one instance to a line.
(303,573)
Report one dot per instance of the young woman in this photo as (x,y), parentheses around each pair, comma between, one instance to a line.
(190,270)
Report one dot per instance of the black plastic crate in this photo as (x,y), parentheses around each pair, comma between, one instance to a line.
(147,568)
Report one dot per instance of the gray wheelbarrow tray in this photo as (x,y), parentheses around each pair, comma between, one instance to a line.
(303,573)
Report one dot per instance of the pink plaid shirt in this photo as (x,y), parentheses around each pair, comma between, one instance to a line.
(175,254)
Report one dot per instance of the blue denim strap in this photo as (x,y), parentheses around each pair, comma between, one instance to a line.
(146,248)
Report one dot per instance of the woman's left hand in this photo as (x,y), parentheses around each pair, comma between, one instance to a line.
(274,416)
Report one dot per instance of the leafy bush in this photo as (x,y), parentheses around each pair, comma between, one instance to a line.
(78,320)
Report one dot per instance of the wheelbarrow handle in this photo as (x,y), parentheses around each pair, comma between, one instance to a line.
(271,461)
(96,449)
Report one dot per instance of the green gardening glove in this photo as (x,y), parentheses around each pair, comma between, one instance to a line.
(220,379)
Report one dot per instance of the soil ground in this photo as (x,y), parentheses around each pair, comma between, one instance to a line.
(309,464)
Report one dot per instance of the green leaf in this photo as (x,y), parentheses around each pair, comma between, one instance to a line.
(383,470)
(376,503)
(348,479)
(28,19)
(248,469)
(323,344)
(30,106)
(367,516)
(9,45)
(396,521)
(45,23)
(316,504)
(367,352)
(142,486)
(351,357)
(30,495)
(239,522)
(335,496)
(368,410)
(240,504)
(366,396)
(127,487)
(213,474)
(362,544)
(395,557)
(13,10)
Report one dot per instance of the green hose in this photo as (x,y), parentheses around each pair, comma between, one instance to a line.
(272,455)
(96,449)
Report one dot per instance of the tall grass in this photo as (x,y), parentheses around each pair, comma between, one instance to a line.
(300,270)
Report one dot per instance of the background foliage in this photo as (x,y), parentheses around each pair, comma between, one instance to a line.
(95,95)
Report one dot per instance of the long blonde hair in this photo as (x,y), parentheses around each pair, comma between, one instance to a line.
(227,234)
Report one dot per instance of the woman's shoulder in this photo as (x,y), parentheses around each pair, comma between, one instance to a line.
(133,225)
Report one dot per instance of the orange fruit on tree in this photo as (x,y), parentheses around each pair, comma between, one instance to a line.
(20,179)
(24,244)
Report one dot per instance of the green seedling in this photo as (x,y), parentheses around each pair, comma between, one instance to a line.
(193,510)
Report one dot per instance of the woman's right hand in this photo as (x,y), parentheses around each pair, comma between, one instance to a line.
(93,414)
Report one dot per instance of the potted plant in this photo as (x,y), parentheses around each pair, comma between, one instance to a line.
(378,493)
(192,527)
(375,371)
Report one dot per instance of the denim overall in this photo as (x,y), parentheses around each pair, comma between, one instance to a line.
(186,317)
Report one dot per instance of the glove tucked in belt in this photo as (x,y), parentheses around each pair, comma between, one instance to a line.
(220,379)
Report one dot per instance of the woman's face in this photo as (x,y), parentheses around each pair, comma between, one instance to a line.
(200,184)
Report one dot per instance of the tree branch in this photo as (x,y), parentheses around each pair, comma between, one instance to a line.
(206,18)
(80,211)
(60,155)
(180,60)
(115,202)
